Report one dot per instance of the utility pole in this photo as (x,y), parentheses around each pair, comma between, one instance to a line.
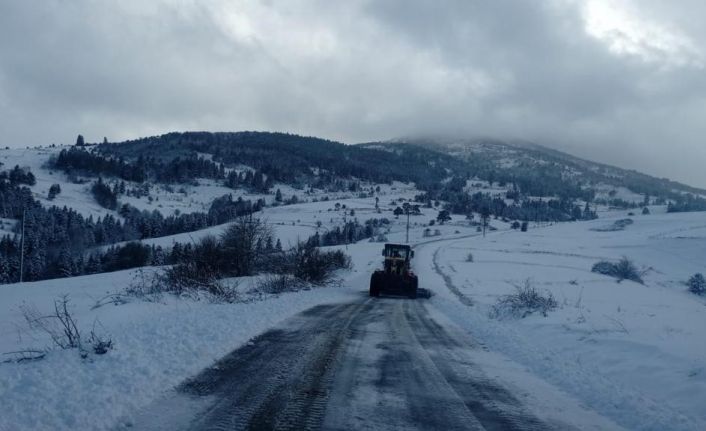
(22,246)
(406,206)
(407,226)
(345,230)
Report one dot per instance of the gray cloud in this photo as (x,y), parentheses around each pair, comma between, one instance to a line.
(605,80)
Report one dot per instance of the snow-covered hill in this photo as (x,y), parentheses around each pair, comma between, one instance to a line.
(168,199)
(76,196)
(507,159)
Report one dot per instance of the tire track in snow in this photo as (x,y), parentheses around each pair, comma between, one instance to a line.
(465,300)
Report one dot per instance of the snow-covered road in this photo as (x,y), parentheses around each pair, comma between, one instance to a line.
(369,364)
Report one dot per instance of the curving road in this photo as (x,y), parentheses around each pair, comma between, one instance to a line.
(370,364)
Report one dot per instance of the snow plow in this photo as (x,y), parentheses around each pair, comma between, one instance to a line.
(396,277)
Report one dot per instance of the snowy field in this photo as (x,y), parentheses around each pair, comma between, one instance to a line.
(606,191)
(294,223)
(635,353)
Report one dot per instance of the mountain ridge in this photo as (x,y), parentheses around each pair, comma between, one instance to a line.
(464,147)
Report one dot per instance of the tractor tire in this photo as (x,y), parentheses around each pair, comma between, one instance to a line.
(413,290)
(374,285)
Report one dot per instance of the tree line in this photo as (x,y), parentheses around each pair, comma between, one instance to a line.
(294,159)
(59,238)
(520,206)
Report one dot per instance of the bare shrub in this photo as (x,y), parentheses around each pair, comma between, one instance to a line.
(220,292)
(209,257)
(697,284)
(191,280)
(59,325)
(62,328)
(624,269)
(278,283)
(526,301)
(241,246)
(309,264)
(187,277)
(378,238)
(145,285)
(604,267)
(100,344)
(618,225)
(244,249)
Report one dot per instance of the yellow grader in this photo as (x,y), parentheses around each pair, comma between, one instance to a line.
(396,277)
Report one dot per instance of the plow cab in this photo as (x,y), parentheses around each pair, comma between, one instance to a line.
(396,276)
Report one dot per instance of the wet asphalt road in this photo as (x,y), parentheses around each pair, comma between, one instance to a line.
(372,364)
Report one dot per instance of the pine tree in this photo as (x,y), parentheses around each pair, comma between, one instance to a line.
(443,216)
(158,256)
(65,263)
(93,266)
(54,190)
(4,270)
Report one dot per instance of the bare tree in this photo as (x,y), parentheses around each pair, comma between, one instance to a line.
(485,218)
(242,245)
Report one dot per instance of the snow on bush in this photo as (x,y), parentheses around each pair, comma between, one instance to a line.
(624,269)
(378,238)
(191,279)
(527,300)
(301,266)
(697,284)
(187,280)
(310,264)
(279,283)
(145,285)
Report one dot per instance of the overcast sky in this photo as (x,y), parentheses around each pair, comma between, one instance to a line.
(622,82)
